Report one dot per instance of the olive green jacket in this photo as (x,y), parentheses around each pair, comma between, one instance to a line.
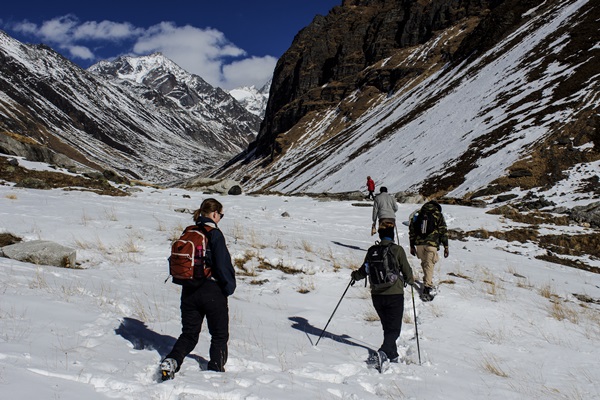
(404,266)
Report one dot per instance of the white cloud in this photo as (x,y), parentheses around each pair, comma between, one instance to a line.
(250,71)
(106,30)
(58,30)
(202,51)
(81,52)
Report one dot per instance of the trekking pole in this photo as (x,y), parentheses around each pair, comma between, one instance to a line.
(412,290)
(336,307)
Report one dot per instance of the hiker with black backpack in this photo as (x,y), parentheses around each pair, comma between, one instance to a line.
(204,293)
(389,272)
(427,230)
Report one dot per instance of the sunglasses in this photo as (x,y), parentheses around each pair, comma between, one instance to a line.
(221,215)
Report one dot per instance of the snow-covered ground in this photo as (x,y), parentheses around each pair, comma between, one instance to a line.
(503,326)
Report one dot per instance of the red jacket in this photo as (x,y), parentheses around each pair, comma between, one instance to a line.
(370,185)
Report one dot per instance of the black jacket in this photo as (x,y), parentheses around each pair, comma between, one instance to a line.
(220,259)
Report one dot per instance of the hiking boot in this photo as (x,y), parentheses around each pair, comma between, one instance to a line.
(373,358)
(394,360)
(168,367)
(384,362)
(428,293)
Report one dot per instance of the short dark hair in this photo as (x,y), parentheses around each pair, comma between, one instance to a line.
(386,231)
(383,189)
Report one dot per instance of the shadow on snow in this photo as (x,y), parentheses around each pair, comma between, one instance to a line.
(143,338)
(303,325)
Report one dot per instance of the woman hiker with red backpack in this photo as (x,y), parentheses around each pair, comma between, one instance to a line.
(206,297)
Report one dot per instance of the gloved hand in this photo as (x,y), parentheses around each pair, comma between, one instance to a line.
(446,252)
(413,251)
(355,277)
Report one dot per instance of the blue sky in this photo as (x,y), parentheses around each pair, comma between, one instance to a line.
(229,43)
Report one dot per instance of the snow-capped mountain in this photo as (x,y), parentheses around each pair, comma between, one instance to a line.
(144,117)
(253,99)
(443,98)
(155,72)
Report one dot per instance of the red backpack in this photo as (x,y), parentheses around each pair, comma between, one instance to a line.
(187,262)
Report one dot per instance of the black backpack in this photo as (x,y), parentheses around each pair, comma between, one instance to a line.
(425,223)
(382,267)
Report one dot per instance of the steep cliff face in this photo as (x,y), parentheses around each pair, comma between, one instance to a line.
(440,97)
(326,60)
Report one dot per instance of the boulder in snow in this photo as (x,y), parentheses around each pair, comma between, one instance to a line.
(41,252)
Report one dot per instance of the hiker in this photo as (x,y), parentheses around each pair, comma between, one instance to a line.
(207,297)
(384,209)
(370,188)
(425,239)
(388,299)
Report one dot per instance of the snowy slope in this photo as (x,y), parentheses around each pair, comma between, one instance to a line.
(475,119)
(504,325)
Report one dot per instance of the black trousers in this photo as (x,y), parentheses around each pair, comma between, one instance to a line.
(196,303)
(390,309)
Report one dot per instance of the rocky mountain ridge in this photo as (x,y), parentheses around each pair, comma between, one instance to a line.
(144,117)
(456,98)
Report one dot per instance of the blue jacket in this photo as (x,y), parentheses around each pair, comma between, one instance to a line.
(220,259)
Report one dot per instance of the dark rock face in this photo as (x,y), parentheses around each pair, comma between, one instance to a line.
(325,61)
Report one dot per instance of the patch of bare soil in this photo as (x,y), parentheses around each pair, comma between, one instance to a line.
(568,245)
(533,218)
(52,180)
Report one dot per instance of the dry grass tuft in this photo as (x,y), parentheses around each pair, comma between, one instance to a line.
(241,261)
(307,285)
(547,291)
(490,364)
(561,311)
(11,196)
(371,316)
(286,269)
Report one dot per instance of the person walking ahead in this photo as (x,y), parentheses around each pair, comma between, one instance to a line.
(384,209)
(370,188)
(427,230)
(388,298)
(206,297)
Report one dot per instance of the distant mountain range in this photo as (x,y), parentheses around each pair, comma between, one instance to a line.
(253,99)
(144,117)
(445,98)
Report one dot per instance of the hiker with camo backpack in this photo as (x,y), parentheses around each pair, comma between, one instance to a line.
(389,272)
(427,230)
